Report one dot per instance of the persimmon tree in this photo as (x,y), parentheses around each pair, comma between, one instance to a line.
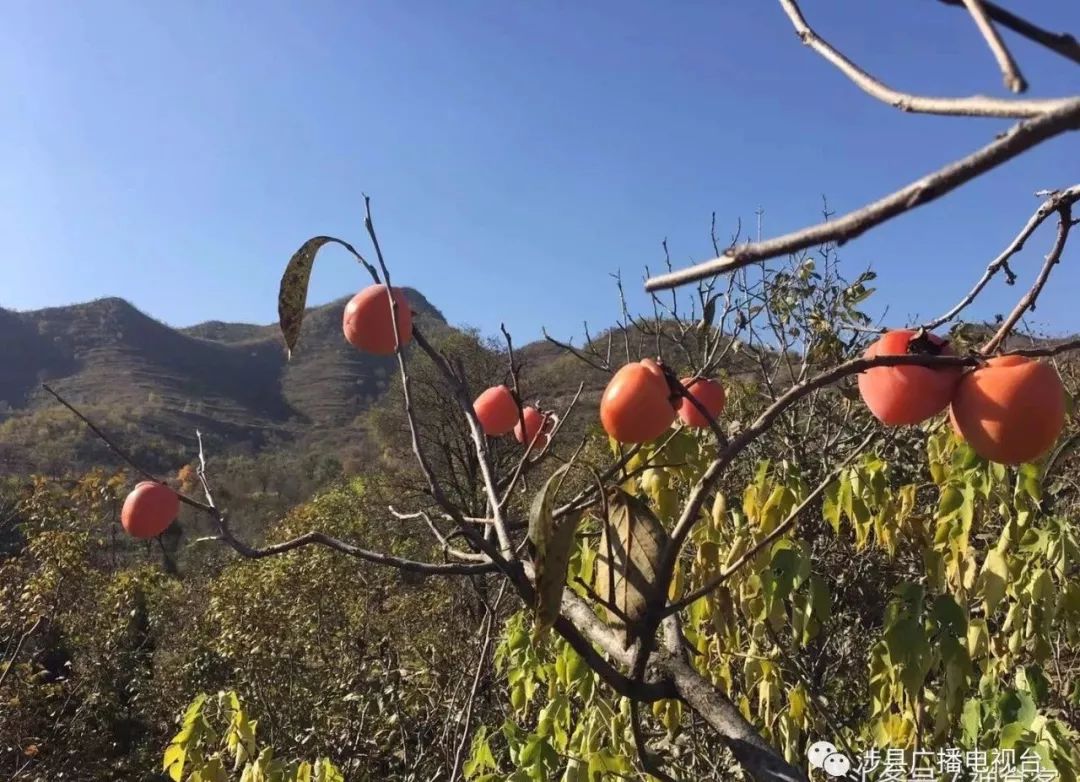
(729,583)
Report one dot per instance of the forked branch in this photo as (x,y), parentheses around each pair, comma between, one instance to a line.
(1061,43)
(973,106)
(1010,71)
(1016,140)
(1048,207)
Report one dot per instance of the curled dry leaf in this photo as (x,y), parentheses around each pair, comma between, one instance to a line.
(554,543)
(630,548)
(292,296)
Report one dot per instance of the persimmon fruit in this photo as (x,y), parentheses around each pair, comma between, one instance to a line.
(535,425)
(904,395)
(496,410)
(657,372)
(149,509)
(709,394)
(368,322)
(636,406)
(1011,410)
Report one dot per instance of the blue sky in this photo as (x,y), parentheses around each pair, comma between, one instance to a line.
(176,154)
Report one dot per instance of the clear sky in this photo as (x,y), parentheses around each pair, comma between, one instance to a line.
(176,153)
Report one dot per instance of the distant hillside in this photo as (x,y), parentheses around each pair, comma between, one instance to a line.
(231,380)
(152,385)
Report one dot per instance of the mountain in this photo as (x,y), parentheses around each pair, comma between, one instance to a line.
(230,380)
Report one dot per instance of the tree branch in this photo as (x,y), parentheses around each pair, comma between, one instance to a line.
(226,536)
(1028,300)
(1010,71)
(1060,43)
(649,763)
(973,106)
(322,539)
(1047,208)
(752,752)
(18,648)
(1013,142)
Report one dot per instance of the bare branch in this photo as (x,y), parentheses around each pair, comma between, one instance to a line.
(376,557)
(605,367)
(1061,43)
(1028,300)
(464,556)
(752,752)
(1048,207)
(649,763)
(1010,71)
(225,535)
(116,449)
(489,622)
(18,648)
(973,106)
(1016,140)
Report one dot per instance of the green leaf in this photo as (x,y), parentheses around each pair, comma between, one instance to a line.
(1030,481)
(972,721)
(820,599)
(481,759)
(1036,682)
(950,502)
(908,647)
(177,751)
(213,771)
(994,578)
(604,763)
(1017,707)
(1010,734)
(292,296)
(831,505)
(325,771)
(554,543)
(950,616)
(175,757)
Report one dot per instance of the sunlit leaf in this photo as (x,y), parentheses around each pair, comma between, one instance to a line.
(635,538)
(994,578)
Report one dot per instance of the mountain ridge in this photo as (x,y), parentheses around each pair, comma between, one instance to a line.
(234,381)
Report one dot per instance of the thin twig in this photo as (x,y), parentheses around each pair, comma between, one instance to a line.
(1048,207)
(103,437)
(489,617)
(649,763)
(1027,302)
(226,536)
(1061,43)
(1010,71)
(18,648)
(464,556)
